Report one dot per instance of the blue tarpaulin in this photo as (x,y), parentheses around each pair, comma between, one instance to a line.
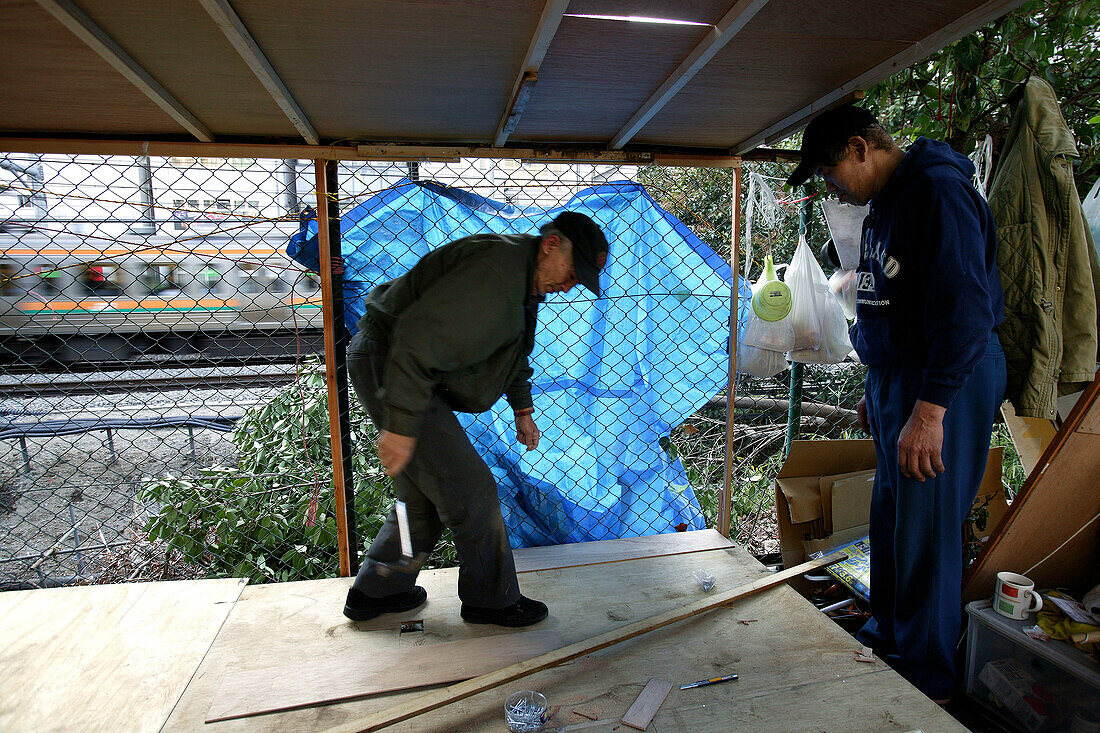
(613,375)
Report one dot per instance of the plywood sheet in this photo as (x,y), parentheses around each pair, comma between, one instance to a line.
(105,657)
(529,559)
(1052,528)
(301,621)
(259,691)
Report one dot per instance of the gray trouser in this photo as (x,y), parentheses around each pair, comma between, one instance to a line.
(446,484)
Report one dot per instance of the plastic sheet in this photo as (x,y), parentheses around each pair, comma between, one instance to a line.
(612,375)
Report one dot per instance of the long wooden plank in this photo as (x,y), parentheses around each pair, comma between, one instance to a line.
(647,704)
(462,690)
(261,691)
(548,24)
(105,657)
(530,559)
(241,39)
(1052,527)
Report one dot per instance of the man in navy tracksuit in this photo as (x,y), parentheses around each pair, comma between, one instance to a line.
(928,298)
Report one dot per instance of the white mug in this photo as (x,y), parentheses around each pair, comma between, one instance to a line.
(1015,596)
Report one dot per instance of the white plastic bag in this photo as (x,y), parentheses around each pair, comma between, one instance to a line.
(768,325)
(1091,208)
(835,344)
(842,285)
(819,311)
(846,229)
(759,362)
(808,290)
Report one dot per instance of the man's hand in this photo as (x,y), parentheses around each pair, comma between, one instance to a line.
(921,442)
(395,451)
(526,432)
(861,415)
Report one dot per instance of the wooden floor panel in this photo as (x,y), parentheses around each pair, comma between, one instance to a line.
(105,657)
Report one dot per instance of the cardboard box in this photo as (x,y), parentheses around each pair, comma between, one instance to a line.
(798,495)
(823,495)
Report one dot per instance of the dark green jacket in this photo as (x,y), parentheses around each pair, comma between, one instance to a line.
(460,324)
(1048,264)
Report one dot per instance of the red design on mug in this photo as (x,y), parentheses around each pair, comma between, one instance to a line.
(1009,591)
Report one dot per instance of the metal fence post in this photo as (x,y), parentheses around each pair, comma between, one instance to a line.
(726,503)
(328,240)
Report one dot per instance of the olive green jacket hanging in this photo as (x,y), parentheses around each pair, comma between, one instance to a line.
(1049,267)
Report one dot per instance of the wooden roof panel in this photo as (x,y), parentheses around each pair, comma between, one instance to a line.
(389,70)
(443,71)
(181,47)
(748,87)
(572,100)
(53,82)
(788,57)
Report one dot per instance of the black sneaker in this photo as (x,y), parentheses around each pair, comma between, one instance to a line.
(360,607)
(523,612)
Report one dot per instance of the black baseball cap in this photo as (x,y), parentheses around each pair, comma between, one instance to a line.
(589,247)
(829,130)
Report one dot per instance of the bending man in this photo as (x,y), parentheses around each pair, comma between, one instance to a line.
(455,333)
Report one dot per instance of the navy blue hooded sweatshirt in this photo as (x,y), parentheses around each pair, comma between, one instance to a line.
(929,292)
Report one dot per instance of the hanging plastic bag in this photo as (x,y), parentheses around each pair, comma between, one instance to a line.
(808,286)
(842,285)
(835,344)
(768,325)
(846,230)
(759,362)
(819,311)
(1091,208)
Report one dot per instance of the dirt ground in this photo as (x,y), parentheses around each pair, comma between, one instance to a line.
(77,481)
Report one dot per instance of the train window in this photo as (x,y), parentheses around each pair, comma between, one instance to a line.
(100,278)
(253,278)
(160,279)
(310,281)
(48,281)
(210,278)
(279,285)
(9,284)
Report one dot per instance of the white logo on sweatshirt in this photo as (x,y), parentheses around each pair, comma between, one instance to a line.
(891,267)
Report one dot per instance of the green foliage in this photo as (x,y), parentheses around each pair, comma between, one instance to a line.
(962,93)
(271,517)
(703,199)
(1013,474)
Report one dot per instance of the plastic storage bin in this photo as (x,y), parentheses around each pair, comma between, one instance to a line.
(1031,685)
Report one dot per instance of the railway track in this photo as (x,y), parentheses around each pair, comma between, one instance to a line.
(155,382)
(196,361)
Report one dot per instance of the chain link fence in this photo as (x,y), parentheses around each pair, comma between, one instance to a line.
(163,409)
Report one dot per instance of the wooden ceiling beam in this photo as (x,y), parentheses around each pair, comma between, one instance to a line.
(528,75)
(947,35)
(84,28)
(717,37)
(242,41)
(379,152)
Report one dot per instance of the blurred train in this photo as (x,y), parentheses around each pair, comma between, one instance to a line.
(72,298)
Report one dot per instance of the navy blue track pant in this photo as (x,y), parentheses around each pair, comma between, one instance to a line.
(916,528)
